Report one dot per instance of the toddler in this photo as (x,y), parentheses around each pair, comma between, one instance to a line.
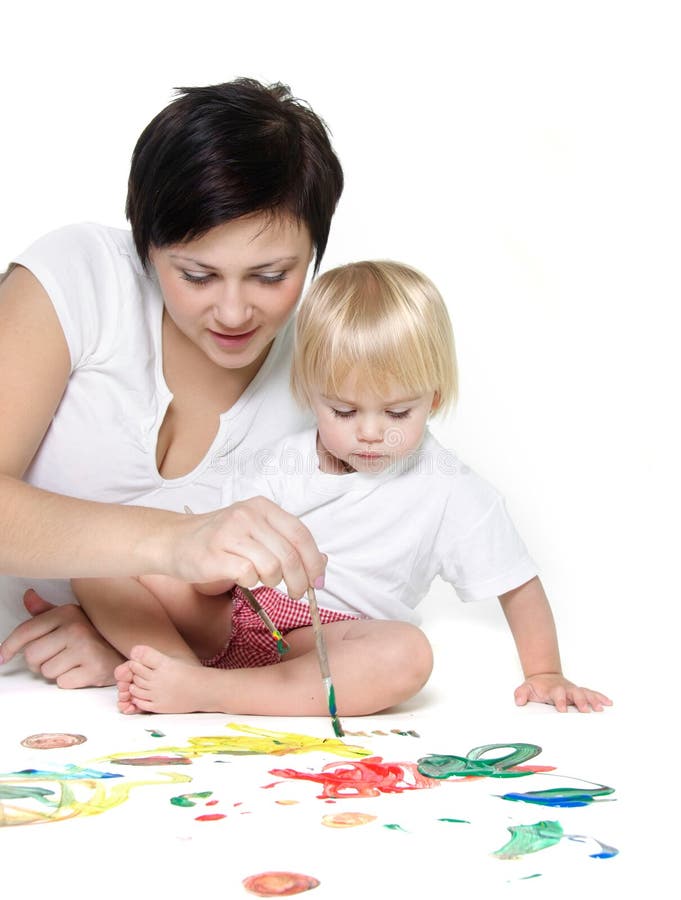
(374,359)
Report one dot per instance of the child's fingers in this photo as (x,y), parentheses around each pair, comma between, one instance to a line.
(522,695)
(559,699)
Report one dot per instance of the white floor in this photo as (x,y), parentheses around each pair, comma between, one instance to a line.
(147,846)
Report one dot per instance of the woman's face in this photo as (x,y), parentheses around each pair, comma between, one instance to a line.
(231,290)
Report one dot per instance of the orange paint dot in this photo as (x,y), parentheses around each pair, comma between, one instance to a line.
(279,884)
(347,819)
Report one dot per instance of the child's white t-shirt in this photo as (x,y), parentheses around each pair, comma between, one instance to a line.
(389,535)
(101,444)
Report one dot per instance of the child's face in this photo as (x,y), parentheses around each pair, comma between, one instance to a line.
(368,432)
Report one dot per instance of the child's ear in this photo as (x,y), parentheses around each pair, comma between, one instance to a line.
(435,405)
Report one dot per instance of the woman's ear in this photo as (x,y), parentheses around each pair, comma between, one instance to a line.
(435,405)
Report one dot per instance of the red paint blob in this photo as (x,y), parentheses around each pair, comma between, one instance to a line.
(210,817)
(366,778)
(279,884)
(212,802)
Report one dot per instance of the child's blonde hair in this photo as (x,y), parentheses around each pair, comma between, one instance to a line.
(383,322)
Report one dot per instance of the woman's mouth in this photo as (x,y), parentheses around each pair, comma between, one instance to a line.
(232,341)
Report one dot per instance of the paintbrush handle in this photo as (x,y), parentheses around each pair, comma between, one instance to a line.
(319,636)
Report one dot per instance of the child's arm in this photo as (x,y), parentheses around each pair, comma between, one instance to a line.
(126,613)
(531,622)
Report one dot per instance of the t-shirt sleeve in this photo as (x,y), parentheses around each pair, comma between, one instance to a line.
(75,267)
(489,559)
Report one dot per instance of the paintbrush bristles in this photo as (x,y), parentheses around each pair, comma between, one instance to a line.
(323,658)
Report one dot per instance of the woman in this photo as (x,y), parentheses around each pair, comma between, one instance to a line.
(136,369)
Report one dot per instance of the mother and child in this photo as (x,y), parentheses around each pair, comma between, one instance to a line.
(148,374)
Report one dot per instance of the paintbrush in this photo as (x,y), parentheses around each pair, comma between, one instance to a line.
(324,662)
(282,646)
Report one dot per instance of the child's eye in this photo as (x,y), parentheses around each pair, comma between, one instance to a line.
(398,414)
(192,278)
(343,413)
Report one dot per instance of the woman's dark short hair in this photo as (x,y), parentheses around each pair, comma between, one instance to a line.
(229,150)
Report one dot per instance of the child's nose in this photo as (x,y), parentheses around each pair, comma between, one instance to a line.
(370,429)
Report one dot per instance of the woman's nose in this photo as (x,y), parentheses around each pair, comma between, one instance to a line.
(232,308)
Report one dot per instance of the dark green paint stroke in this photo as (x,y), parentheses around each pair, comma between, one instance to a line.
(19,791)
(444,766)
(561,796)
(394,827)
(530,839)
(189,799)
(466,821)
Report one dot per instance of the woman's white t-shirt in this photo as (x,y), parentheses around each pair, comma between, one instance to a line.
(101,444)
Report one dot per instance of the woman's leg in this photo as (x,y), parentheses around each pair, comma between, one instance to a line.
(374,665)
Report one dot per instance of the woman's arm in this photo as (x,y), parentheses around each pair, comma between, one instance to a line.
(530,619)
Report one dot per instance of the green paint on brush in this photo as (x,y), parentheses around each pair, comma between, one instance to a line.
(282,647)
(530,839)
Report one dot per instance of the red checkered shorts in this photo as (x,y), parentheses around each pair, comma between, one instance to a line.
(251,644)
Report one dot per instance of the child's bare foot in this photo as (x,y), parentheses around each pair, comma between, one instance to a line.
(123,676)
(165,684)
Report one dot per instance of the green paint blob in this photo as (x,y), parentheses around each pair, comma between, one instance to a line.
(444,766)
(395,827)
(466,821)
(530,839)
(189,799)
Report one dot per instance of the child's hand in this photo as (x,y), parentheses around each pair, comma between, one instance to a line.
(552,687)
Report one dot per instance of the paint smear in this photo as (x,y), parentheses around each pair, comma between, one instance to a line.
(394,827)
(564,797)
(254,741)
(52,740)
(154,733)
(367,778)
(605,852)
(463,821)
(530,839)
(210,817)
(69,772)
(151,761)
(347,819)
(279,884)
(189,799)
(473,764)
(24,803)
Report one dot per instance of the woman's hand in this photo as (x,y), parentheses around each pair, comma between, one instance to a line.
(552,687)
(249,542)
(61,644)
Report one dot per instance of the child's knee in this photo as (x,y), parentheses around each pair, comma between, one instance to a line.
(410,658)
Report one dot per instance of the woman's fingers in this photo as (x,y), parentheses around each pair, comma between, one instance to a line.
(249,542)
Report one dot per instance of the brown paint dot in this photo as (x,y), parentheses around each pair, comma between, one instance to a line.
(279,884)
(52,740)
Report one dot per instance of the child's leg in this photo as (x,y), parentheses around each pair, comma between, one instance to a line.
(165,612)
(125,612)
(374,665)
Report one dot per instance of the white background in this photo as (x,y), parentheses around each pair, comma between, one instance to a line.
(526,156)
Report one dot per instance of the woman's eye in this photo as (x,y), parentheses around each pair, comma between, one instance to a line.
(194,278)
(400,414)
(343,413)
(270,277)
